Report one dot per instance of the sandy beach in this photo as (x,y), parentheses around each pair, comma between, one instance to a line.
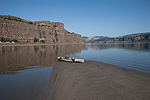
(96,81)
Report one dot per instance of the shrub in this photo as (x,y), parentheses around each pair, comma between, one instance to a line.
(54,25)
(36,40)
(53,41)
(17,20)
(42,41)
(30,23)
(3,39)
(7,18)
(8,40)
(14,40)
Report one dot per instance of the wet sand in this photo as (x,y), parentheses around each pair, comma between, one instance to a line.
(96,81)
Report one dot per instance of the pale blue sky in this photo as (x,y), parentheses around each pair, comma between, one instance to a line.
(86,17)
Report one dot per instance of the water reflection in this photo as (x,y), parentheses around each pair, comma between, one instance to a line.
(128,46)
(15,58)
(130,55)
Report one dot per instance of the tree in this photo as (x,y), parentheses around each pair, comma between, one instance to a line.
(14,40)
(3,39)
(36,40)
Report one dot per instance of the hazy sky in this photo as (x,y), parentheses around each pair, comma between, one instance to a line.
(86,17)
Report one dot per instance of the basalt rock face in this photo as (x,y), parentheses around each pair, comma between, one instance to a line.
(23,30)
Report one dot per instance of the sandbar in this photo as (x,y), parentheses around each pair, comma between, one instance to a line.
(96,81)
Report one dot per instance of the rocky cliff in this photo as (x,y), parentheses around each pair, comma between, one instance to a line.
(12,27)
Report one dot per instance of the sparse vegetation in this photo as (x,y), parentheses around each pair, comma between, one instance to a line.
(8,18)
(8,40)
(16,19)
(43,25)
(2,39)
(69,32)
(20,20)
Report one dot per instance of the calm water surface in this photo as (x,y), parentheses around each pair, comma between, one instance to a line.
(130,55)
(25,70)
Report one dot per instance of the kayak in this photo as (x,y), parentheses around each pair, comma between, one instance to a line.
(70,59)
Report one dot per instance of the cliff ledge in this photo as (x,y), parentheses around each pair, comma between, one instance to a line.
(12,27)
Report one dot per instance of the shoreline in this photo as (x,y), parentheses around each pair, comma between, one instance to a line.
(96,81)
(33,44)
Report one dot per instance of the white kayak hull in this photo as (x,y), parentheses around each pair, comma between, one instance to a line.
(70,59)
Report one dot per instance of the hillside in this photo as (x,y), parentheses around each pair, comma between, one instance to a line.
(90,39)
(138,37)
(135,34)
(12,27)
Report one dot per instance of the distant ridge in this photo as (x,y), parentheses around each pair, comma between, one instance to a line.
(135,34)
(136,37)
(90,39)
